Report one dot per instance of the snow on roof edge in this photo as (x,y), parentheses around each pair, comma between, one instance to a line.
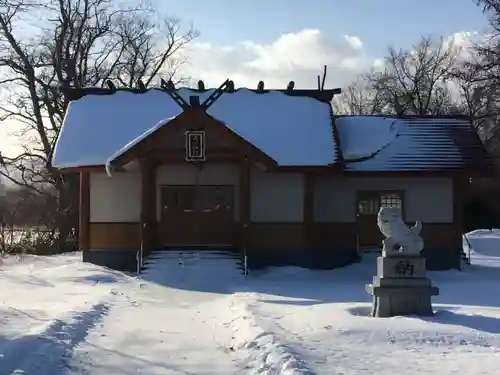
(134,142)
(324,95)
(362,137)
(56,146)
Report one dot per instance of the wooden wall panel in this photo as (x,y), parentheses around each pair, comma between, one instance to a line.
(120,236)
(334,235)
(292,236)
(276,236)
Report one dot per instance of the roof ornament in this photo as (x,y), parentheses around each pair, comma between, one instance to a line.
(321,81)
(230,86)
(141,85)
(290,86)
(170,89)
(260,86)
(215,95)
(110,84)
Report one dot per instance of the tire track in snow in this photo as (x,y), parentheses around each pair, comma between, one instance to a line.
(51,351)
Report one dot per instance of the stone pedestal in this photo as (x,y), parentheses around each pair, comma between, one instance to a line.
(401,286)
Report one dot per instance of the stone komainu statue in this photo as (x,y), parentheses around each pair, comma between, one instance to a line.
(399,237)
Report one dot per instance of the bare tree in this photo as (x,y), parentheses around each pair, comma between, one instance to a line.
(49,44)
(492,9)
(481,78)
(359,98)
(414,80)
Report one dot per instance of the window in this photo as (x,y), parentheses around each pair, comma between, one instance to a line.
(368,206)
(215,197)
(391,200)
(369,202)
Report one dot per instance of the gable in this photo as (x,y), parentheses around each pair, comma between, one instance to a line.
(167,138)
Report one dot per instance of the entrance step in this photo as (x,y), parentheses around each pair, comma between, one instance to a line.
(223,258)
(370,250)
(185,255)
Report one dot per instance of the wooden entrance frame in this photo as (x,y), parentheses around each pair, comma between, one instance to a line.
(146,151)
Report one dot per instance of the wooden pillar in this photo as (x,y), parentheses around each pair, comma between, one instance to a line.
(459,186)
(244,203)
(84,219)
(308,210)
(148,204)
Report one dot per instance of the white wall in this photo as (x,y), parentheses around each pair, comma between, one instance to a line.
(276,197)
(116,198)
(186,174)
(426,199)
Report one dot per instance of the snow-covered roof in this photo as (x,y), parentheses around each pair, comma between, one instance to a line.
(294,129)
(362,137)
(373,143)
(291,129)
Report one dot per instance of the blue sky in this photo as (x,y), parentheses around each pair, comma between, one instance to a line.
(377,22)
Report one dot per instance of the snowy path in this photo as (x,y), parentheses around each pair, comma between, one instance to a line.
(61,316)
(158,332)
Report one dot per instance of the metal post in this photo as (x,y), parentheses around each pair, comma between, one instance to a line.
(469,248)
(469,261)
(245,256)
(140,252)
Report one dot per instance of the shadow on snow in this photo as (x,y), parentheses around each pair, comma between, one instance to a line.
(481,323)
(50,351)
(145,366)
(447,316)
(304,287)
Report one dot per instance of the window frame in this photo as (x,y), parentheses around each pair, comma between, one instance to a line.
(173,197)
(377,195)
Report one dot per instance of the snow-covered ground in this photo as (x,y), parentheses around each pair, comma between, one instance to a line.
(199,316)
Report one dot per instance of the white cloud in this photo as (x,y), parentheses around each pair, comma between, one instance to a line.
(354,41)
(298,56)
